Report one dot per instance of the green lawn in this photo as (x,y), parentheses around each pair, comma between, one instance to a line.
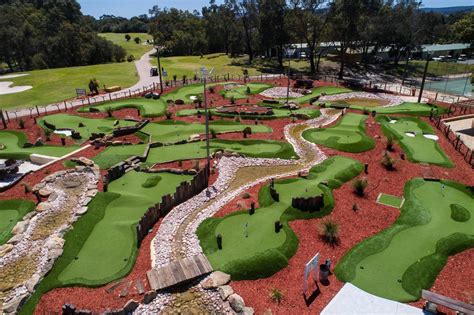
(419,149)
(415,109)
(12,211)
(170,131)
(196,150)
(91,125)
(264,252)
(14,141)
(405,258)
(305,112)
(147,107)
(104,239)
(348,135)
(390,200)
(137,50)
(55,85)
(240,91)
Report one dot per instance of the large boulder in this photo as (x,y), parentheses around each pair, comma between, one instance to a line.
(216,279)
(236,302)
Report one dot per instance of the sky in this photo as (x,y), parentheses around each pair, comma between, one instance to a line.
(129,8)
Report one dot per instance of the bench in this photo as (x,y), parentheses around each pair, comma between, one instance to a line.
(111,89)
(447,302)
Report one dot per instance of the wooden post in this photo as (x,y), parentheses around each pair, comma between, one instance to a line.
(3,119)
(8,117)
(65,105)
(37,110)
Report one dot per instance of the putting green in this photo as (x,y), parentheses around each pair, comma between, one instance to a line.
(306,112)
(12,211)
(196,150)
(147,107)
(328,90)
(109,251)
(348,135)
(259,252)
(240,91)
(415,109)
(169,131)
(91,125)
(402,260)
(13,142)
(185,93)
(390,200)
(410,133)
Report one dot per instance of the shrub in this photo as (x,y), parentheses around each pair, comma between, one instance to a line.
(213,133)
(365,111)
(137,40)
(248,91)
(359,185)
(196,165)
(232,100)
(21,123)
(109,111)
(184,79)
(330,232)
(27,187)
(246,196)
(168,115)
(130,58)
(390,143)
(237,118)
(47,133)
(247,131)
(388,162)
(211,89)
(355,207)
(127,37)
(151,181)
(276,295)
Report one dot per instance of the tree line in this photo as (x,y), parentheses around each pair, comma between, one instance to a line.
(258,27)
(40,34)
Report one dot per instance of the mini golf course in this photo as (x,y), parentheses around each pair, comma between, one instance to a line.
(265,252)
(318,91)
(414,109)
(65,121)
(170,131)
(14,147)
(436,221)
(240,91)
(348,135)
(307,113)
(12,211)
(196,150)
(411,135)
(147,107)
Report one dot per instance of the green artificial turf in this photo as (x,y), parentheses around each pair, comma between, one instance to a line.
(264,252)
(55,85)
(109,251)
(389,200)
(196,150)
(14,141)
(170,131)
(415,109)
(405,258)
(328,90)
(419,149)
(348,135)
(132,48)
(305,112)
(12,211)
(240,91)
(147,107)
(91,125)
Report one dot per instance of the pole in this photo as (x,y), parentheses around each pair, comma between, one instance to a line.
(288,89)
(159,69)
(206,112)
(424,78)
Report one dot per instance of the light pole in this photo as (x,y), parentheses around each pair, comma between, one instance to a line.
(424,77)
(159,67)
(289,70)
(204,75)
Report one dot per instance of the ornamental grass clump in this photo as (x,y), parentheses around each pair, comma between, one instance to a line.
(330,232)
(359,185)
(390,143)
(388,162)
(276,295)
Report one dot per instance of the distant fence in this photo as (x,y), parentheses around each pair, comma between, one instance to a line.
(184,192)
(455,140)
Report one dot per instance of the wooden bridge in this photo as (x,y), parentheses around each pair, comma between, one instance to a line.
(178,272)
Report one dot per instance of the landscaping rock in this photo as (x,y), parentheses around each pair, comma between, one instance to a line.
(44,192)
(225,291)
(149,297)
(15,239)
(236,302)
(247,311)
(216,279)
(54,253)
(32,282)
(20,227)
(5,249)
(55,243)
(43,206)
(81,210)
(12,305)
(130,306)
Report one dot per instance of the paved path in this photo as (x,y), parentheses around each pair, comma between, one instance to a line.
(143,66)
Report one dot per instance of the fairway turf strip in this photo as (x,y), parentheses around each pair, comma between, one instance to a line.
(14,141)
(307,113)
(265,252)
(419,149)
(12,211)
(147,107)
(102,246)
(405,258)
(414,109)
(348,135)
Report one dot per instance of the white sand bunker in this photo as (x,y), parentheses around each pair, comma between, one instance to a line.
(410,134)
(5,88)
(11,76)
(64,132)
(393,121)
(430,136)
(279,92)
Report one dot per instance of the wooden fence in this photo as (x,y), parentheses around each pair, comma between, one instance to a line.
(184,192)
